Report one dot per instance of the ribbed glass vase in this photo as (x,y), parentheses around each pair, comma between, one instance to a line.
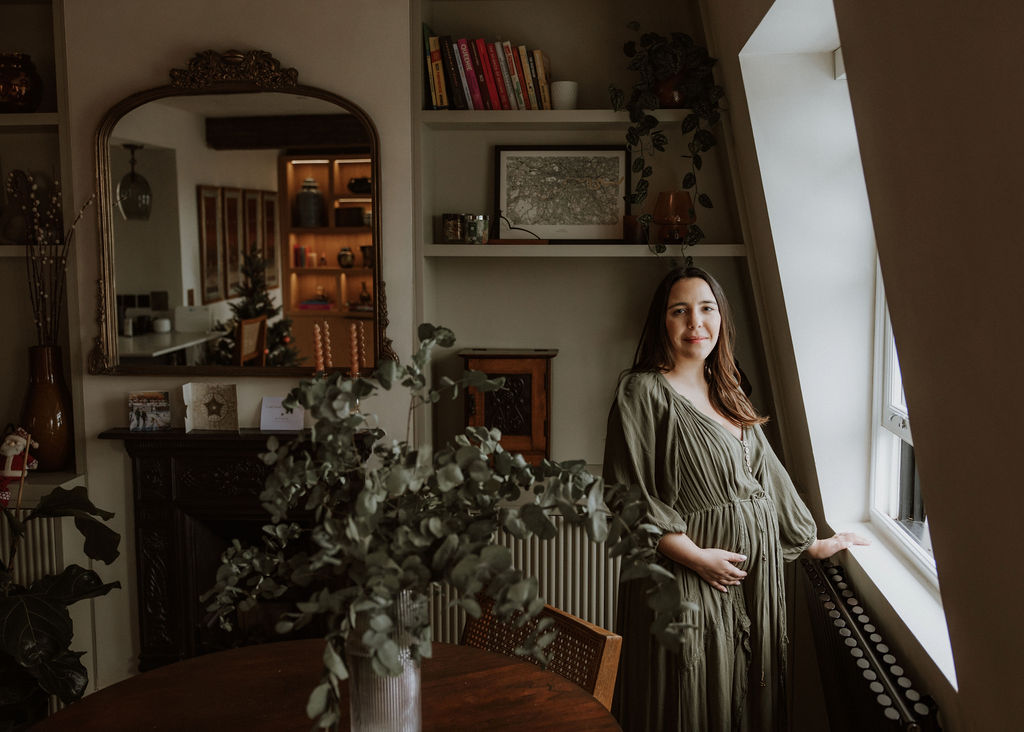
(388,703)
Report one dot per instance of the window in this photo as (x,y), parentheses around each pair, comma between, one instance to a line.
(898,507)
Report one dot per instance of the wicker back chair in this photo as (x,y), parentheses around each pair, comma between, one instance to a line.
(581,652)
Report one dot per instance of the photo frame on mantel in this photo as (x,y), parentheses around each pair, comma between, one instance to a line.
(211,244)
(561,192)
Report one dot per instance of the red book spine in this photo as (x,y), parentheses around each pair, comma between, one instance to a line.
(522,77)
(471,78)
(485,64)
(499,82)
(481,80)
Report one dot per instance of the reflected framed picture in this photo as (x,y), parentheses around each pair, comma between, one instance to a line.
(253,222)
(211,244)
(271,247)
(560,192)
(234,227)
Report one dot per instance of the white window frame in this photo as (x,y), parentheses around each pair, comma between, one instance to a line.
(891,424)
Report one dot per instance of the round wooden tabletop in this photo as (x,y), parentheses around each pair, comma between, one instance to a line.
(265,687)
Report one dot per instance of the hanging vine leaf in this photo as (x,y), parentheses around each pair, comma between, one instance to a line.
(689,181)
(705,200)
(697,161)
(690,122)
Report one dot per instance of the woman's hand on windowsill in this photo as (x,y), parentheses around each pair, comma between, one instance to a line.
(825,548)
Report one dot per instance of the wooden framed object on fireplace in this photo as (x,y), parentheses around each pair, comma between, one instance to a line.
(522,409)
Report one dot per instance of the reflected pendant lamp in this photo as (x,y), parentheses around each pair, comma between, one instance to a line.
(134,197)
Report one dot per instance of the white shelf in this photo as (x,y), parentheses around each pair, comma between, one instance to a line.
(38,485)
(592,250)
(546,119)
(43,120)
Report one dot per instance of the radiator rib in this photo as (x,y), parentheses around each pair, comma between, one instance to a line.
(865,687)
(573,574)
(39,550)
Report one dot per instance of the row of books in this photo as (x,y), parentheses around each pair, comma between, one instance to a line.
(479,74)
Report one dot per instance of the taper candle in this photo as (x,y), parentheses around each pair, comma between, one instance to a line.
(318,348)
(328,356)
(362,343)
(353,349)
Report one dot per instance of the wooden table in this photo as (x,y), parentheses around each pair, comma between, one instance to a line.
(265,687)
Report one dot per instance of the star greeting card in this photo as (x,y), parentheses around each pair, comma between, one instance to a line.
(210,406)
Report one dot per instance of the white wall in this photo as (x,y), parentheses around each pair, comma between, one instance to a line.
(147,253)
(358,49)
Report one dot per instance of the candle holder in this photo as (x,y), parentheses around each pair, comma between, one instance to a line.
(673,213)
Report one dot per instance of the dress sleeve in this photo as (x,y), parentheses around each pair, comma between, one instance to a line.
(630,455)
(797,529)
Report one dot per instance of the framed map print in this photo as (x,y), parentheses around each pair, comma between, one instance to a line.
(560,192)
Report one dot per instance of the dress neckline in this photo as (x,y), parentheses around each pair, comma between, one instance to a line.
(693,407)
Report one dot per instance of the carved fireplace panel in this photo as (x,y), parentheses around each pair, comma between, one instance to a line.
(193,494)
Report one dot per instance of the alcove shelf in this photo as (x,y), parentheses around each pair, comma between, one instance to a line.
(591,251)
(541,119)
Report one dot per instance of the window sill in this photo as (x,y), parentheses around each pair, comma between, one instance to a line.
(909,599)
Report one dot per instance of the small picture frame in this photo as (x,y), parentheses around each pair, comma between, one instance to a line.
(253,221)
(149,411)
(561,192)
(269,222)
(234,232)
(211,238)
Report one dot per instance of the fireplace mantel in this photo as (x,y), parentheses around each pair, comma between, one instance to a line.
(192,494)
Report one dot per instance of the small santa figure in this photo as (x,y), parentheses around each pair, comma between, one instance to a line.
(13,454)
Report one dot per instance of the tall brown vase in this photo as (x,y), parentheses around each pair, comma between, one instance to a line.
(46,413)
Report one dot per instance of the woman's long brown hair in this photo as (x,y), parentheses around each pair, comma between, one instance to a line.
(654,352)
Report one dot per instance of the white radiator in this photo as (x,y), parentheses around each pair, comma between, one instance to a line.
(39,550)
(574,574)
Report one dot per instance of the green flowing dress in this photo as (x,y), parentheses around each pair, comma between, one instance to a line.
(724,493)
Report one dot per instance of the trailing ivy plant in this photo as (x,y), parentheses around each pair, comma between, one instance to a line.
(383,516)
(672,66)
(36,659)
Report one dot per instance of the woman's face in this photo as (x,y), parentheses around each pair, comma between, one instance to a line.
(692,320)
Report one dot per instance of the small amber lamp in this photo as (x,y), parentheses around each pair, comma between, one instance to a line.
(673,213)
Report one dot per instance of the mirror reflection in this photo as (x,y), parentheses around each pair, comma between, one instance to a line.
(260,233)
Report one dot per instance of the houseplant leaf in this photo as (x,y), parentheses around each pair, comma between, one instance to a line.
(73,584)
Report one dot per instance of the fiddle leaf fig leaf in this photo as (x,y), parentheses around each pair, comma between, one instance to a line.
(73,584)
(67,502)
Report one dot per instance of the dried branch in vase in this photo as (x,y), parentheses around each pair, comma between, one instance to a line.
(46,253)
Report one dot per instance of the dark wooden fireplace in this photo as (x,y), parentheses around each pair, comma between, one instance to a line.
(193,493)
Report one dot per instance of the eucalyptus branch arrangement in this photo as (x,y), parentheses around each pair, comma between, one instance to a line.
(46,253)
(358,520)
(674,71)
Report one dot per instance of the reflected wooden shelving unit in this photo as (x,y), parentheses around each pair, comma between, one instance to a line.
(318,288)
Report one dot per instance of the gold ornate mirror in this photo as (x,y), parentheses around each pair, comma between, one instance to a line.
(232,193)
